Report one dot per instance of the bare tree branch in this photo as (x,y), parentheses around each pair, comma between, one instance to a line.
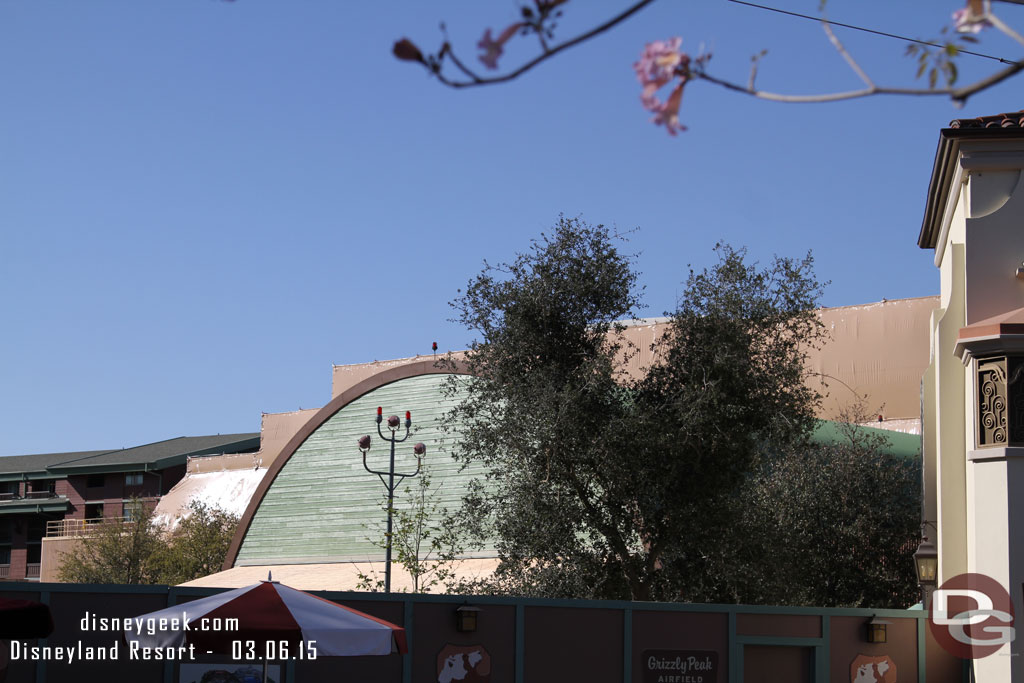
(958,94)
(999,24)
(846,55)
(435,64)
(961,94)
(547,54)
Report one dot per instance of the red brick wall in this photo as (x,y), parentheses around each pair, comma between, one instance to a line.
(114,491)
(18,553)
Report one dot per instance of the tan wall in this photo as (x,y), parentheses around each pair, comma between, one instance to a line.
(52,551)
(276,429)
(874,352)
(346,376)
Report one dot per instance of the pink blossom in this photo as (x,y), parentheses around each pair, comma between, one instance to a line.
(973,17)
(660,63)
(668,113)
(657,66)
(494,48)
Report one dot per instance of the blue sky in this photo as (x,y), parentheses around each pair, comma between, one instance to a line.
(204,205)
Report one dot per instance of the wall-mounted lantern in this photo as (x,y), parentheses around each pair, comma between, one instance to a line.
(876,630)
(926,563)
(466,618)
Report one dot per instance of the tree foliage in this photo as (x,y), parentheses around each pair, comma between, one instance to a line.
(599,483)
(424,543)
(143,551)
(115,552)
(197,546)
(829,525)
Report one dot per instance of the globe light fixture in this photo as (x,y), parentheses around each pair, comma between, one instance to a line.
(390,483)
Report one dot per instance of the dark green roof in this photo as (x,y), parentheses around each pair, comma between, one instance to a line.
(40,462)
(160,454)
(153,456)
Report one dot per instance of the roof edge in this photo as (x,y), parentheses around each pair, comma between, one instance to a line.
(946,155)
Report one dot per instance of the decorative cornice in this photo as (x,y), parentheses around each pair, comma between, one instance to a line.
(945,174)
(999,334)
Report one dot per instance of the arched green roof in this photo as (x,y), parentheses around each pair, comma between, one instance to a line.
(322,505)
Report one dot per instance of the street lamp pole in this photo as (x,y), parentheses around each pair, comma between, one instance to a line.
(390,484)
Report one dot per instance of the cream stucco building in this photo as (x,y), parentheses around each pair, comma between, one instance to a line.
(973,414)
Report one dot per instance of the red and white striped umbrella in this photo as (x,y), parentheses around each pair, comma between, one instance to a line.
(268,612)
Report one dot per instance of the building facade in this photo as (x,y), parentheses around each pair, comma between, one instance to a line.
(60,494)
(972,414)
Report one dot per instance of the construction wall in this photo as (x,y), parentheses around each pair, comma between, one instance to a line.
(534,640)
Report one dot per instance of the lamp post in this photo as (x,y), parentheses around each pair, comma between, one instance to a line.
(390,484)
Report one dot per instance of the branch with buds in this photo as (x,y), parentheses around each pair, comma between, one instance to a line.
(663,64)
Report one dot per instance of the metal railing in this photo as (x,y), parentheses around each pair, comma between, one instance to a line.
(34,495)
(59,528)
(5,571)
(32,571)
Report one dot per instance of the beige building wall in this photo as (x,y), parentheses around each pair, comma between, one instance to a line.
(53,550)
(974,223)
(874,356)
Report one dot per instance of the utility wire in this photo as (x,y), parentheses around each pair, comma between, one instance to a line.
(869,30)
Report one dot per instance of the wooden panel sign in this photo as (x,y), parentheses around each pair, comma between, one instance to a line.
(680,666)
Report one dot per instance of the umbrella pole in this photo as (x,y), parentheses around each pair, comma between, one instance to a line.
(265,675)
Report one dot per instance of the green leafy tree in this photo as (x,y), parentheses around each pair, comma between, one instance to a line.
(425,544)
(829,525)
(142,551)
(597,482)
(113,551)
(197,546)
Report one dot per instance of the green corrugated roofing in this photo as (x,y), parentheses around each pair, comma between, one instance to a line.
(323,506)
(900,444)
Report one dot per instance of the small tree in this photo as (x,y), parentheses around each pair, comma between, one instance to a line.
(424,541)
(116,552)
(141,551)
(198,546)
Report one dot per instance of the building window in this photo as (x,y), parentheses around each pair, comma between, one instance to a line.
(33,552)
(34,540)
(8,490)
(93,511)
(133,479)
(95,481)
(132,510)
(42,488)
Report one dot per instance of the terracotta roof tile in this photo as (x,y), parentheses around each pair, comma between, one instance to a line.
(1007,120)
